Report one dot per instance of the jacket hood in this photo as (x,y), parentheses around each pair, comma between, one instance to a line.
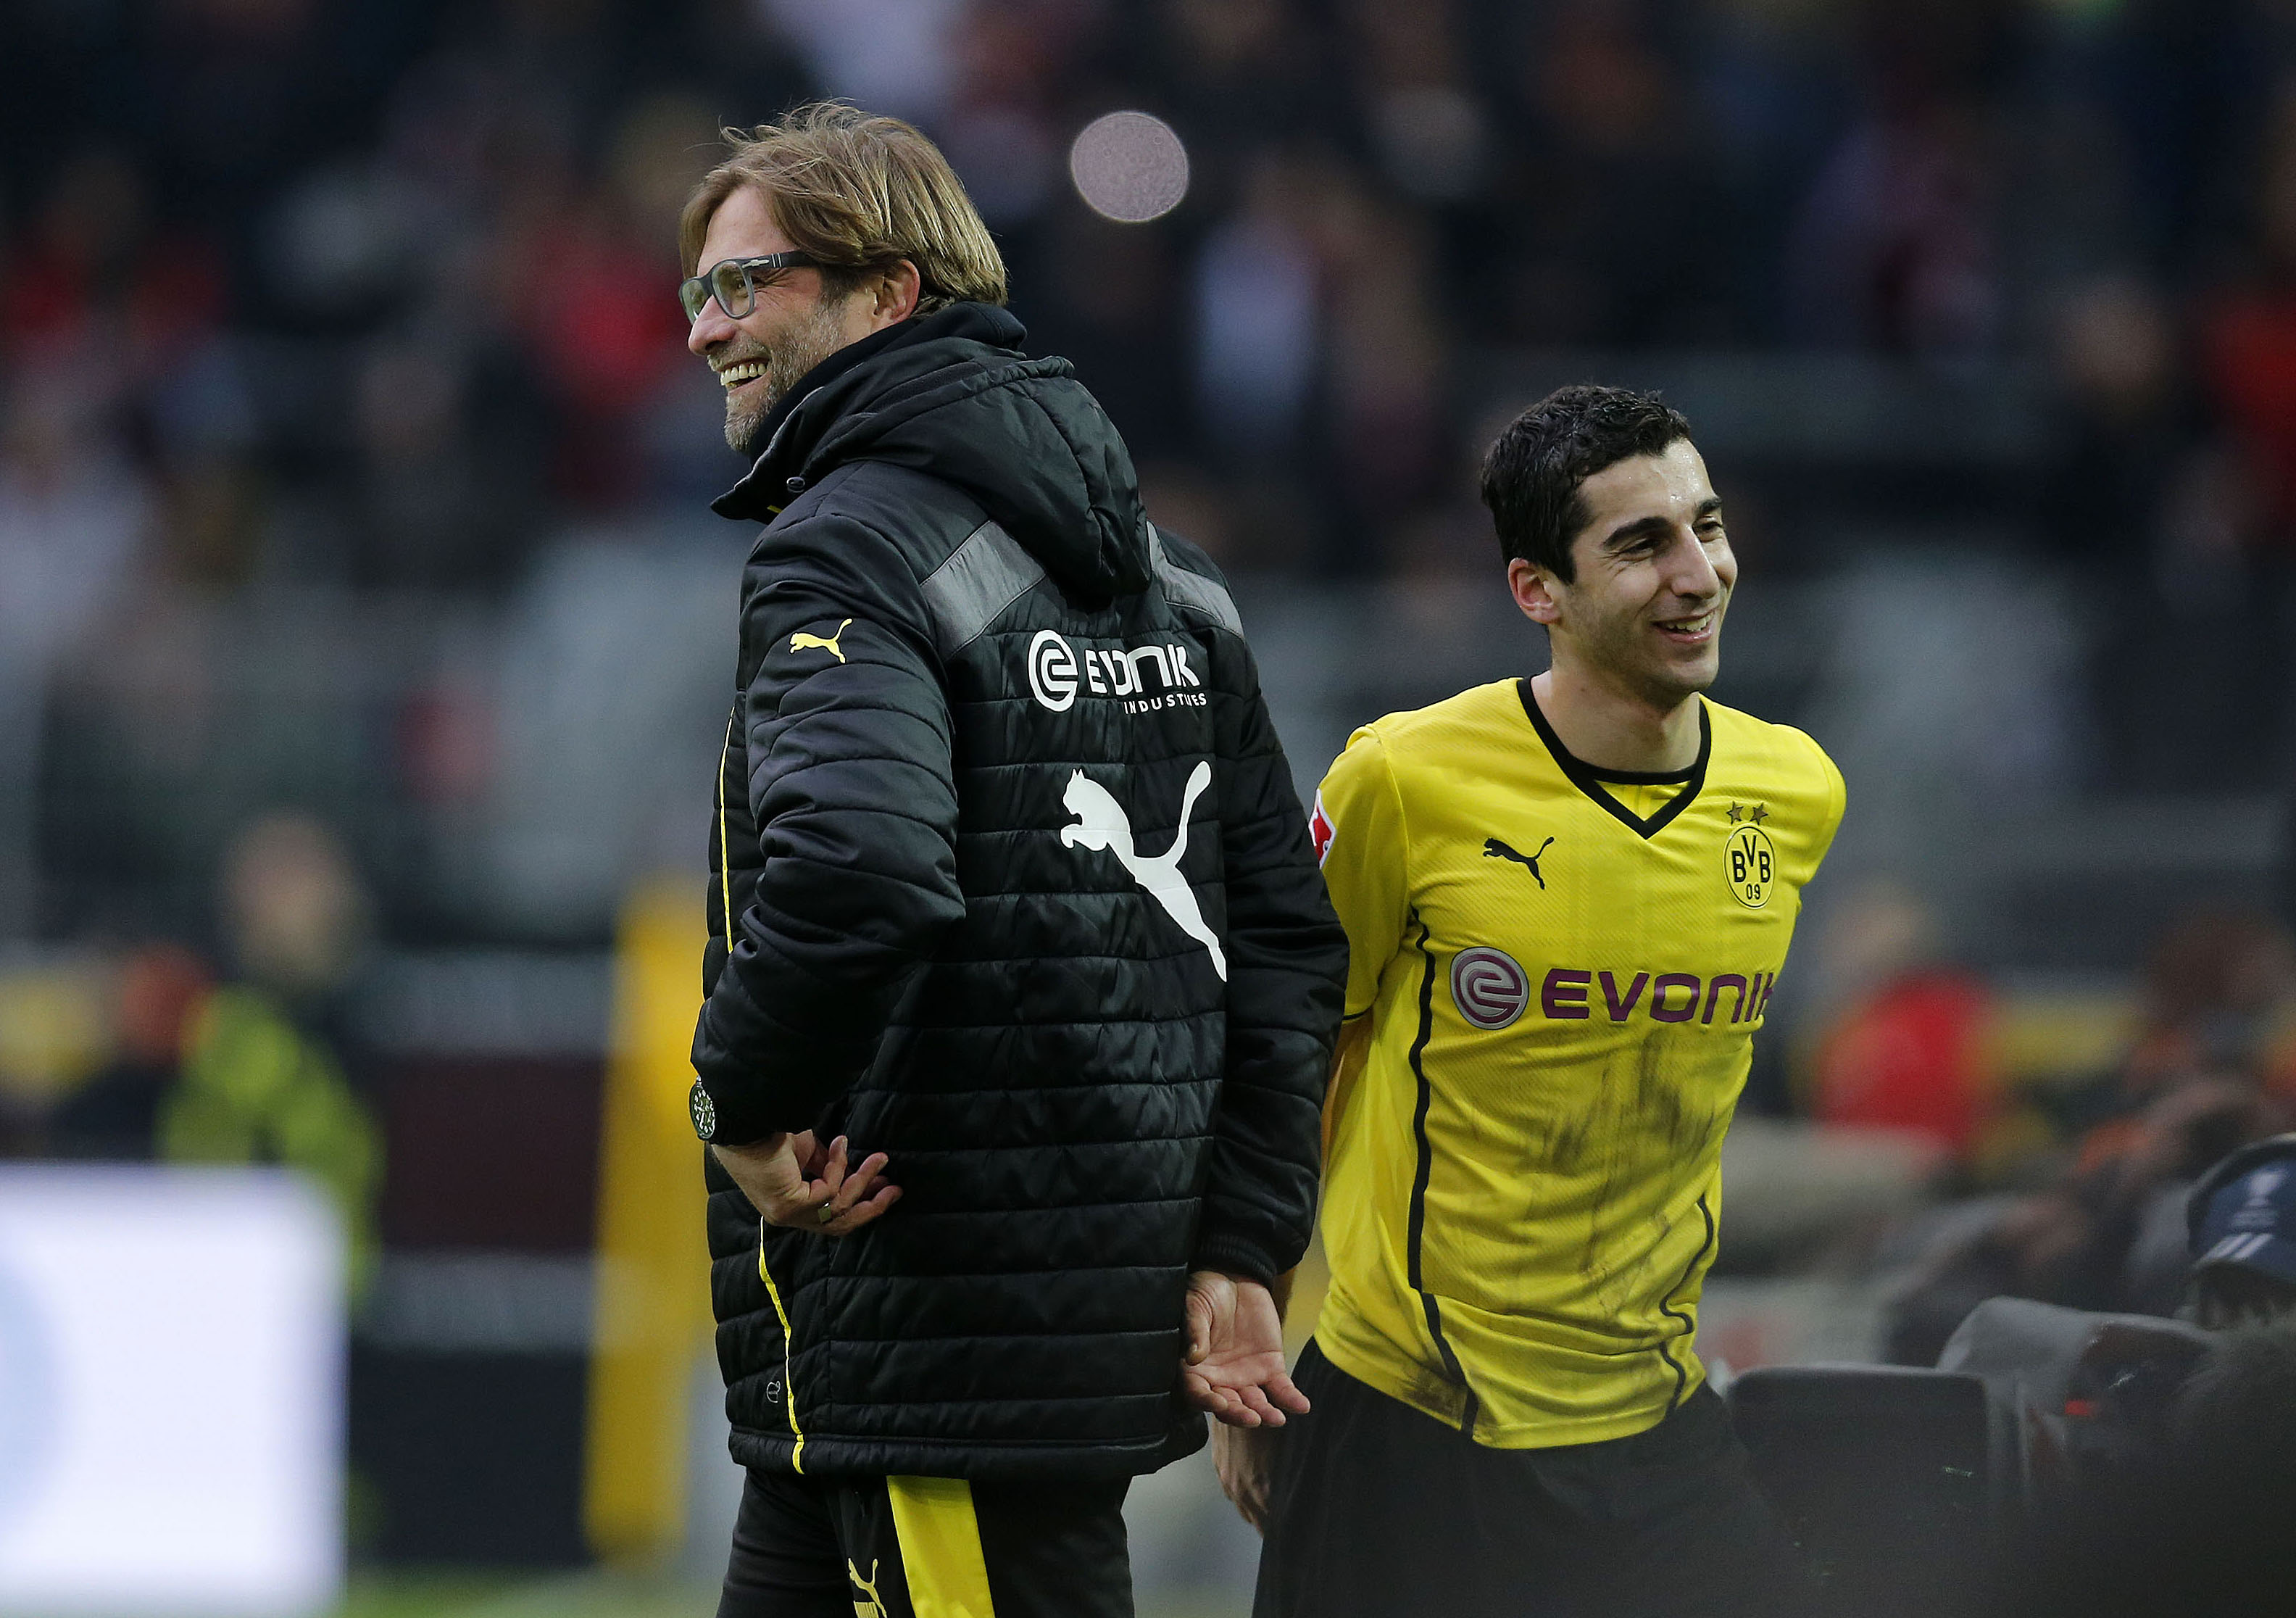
(951,395)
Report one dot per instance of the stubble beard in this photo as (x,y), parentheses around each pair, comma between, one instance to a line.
(811,339)
(1620,651)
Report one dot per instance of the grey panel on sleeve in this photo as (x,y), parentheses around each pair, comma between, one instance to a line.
(982,578)
(1183,588)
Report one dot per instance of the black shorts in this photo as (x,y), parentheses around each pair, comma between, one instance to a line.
(1377,1510)
(927,1548)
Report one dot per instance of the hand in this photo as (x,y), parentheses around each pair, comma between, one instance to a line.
(1234,1365)
(790,1180)
(1246,1459)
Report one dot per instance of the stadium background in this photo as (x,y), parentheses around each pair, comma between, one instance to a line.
(364,636)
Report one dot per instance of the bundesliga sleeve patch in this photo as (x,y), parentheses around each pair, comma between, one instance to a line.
(1319,829)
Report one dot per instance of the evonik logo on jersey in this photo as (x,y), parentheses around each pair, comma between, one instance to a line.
(1144,678)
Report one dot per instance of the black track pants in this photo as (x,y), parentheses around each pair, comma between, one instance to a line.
(927,1548)
(1378,1511)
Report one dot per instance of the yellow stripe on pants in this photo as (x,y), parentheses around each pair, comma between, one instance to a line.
(940,1546)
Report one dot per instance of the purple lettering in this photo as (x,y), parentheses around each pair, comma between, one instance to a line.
(1714,994)
(1763,1004)
(1662,1010)
(1619,1008)
(1563,996)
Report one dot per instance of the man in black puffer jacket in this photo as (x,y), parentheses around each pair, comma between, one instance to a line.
(1013,895)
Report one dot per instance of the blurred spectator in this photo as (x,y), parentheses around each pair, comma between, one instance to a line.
(2197,1525)
(161,991)
(2242,1218)
(2251,337)
(1257,292)
(2218,992)
(428,520)
(1429,130)
(1241,74)
(1910,1049)
(2087,1405)
(2121,368)
(256,1088)
(1111,304)
(71,516)
(246,89)
(294,916)
(2181,85)
(1013,60)
(1604,216)
(1386,361)
(96,276)
(2204,1075)
(2135,491)
(586,277)
(1895,249)
(893,56)
(259,1082)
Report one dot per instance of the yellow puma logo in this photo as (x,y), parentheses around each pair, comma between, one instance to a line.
(875,1607)
(799,643)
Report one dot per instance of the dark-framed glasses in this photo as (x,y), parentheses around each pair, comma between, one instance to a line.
(734,282)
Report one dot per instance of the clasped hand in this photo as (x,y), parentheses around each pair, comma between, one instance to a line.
(795,1181)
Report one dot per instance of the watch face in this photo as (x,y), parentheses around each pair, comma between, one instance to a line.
(704,1110)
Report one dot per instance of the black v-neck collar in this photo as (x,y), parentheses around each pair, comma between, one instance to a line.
(1588,779)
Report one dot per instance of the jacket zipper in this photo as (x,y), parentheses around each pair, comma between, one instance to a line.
(726,868)
(789,1355)
(725,892)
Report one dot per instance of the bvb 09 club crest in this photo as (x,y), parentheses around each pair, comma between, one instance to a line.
(1750,864)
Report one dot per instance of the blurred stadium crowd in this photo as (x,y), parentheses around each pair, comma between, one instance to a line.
(364,301)
(353,477)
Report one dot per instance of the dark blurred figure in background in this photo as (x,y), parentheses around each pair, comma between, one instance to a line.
(2166,1483)
(2205,1073)
(2194,1526)
(2243,1220)
(2146,1463)
(2087,1389)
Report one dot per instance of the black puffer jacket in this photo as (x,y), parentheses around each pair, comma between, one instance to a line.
(1020,894)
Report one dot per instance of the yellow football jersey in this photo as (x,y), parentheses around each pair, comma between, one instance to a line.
(1563,969)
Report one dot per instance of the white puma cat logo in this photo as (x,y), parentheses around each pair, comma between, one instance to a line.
(1102,824)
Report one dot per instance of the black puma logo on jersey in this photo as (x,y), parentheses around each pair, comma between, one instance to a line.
(1493,849)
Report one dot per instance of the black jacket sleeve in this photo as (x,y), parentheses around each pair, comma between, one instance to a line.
(847,741)
(1287,974)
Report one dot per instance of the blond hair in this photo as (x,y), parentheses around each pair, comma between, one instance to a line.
(859,191)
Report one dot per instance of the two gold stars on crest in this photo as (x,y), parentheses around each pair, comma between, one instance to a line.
(1757,814)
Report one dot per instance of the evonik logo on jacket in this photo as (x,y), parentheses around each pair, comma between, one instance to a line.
(1057,674)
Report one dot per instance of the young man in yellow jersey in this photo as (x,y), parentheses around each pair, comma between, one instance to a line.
(1566,901)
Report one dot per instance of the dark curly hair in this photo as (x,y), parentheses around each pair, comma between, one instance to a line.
(1532,474)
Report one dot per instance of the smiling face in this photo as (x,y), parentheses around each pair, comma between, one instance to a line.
(795,325)
(1651,578)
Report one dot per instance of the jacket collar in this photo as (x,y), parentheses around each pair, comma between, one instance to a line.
(837,386)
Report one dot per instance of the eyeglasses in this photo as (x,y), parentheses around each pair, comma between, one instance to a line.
(734,282)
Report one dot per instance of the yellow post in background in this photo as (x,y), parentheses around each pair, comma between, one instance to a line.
(653,1307)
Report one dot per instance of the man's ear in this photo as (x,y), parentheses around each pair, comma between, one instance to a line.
(897,292)
(1534,590)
